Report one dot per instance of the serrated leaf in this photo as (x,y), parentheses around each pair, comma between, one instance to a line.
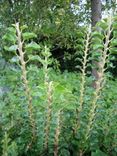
(28,35)
(32,46)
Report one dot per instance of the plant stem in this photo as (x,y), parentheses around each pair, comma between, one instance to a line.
(25,82)
(57,134)
(48,113)
(83,80)
(99,82)
(83,77)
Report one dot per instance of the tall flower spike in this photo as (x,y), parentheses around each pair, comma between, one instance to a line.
(99,82)
(49,93)
(25,82)
(83,79)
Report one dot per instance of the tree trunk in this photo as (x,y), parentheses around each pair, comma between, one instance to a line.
(96,14)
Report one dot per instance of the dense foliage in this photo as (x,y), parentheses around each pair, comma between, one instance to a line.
(46,112)
(55,21)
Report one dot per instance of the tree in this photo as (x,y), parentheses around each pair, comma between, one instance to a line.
(96,11)
(96,14)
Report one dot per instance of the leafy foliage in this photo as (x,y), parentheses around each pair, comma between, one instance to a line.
(45,112)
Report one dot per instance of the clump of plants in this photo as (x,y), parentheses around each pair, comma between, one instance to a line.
(46,112)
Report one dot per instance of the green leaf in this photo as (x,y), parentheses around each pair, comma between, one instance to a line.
(80,34)
(97,40)
(115,18)
(33,58)
(80,41)
(97,34)
(96,54)
(79,47)
(15,59)
(114,42)
(32,46)
(113,50)
(61,89)
(24,27)
(115,34)
(97,46)
(11,48)
(103,24)
(65,152)
(115,26)
(9,37)
(13,149)
(98,153)
(29,35)
(12,30)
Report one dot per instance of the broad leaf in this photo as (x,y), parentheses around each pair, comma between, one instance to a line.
(28,35)
(11,48)
(97,34)
(98,153)
(12,30)
(103,24)
(35,58)
(32,46)
(113,50)
(114,42)
(24,27)
(115,26)
(97,46)
(14,59)
(10,38)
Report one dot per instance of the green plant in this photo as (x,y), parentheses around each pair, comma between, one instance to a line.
(51,113)
(24,78)
(9,148)
(57,133)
